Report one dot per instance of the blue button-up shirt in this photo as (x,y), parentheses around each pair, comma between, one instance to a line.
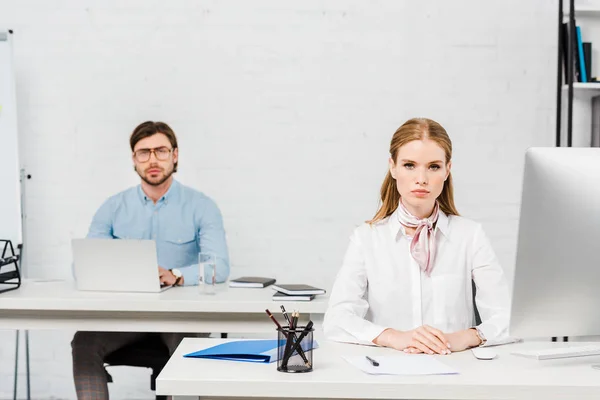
(183,223)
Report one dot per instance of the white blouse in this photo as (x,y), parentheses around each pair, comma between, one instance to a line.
(381,286)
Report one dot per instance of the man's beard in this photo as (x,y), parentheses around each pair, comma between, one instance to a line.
(159,182)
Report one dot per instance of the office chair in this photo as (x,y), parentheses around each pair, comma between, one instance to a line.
(149,352)
(477,317)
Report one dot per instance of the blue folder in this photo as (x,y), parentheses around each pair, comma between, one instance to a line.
(264,351)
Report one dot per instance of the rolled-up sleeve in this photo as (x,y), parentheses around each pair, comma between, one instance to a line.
(211,239)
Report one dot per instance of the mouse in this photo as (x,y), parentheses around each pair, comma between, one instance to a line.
(483,353)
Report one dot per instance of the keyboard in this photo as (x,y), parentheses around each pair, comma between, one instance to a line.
(561,352)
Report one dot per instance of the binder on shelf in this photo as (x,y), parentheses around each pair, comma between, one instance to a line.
(587,56)
(595,139)
(580,56)
(565,48)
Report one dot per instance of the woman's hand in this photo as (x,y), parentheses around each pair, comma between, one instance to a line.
(459,341)
(425,339)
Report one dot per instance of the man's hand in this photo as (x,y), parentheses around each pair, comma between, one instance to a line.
(423,339)
(459,341)
(166,277)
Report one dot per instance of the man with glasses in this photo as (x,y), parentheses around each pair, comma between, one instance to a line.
(181,220)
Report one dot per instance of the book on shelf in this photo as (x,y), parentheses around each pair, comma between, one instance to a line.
(278,296)
(595,139)
(569,40)
(581,56)
(298,289)
(587,55)
(251,282)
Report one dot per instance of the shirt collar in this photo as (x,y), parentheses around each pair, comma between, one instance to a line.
(397,230)
(170,196)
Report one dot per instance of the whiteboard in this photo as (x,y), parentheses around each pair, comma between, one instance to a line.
(10,195)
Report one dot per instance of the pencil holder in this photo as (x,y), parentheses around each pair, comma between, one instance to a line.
(294,349)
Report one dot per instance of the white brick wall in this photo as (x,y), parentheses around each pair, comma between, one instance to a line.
(284,112)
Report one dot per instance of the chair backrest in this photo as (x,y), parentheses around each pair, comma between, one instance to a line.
(477,316)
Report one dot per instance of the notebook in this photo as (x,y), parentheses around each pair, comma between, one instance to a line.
(260,351)
(251,282)
(298,289)
(278,296)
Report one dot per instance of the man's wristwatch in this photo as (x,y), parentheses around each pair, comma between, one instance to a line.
(177,274)
(480,335)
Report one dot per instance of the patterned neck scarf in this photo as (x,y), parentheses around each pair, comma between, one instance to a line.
(422,247)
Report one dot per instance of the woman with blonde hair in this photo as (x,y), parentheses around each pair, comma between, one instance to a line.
(406,279)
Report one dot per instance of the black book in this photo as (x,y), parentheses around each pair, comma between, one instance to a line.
(587,57)
(564,33)
(251,282)
(298,289)
(569,39)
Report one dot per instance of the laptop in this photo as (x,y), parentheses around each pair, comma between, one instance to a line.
(116,265)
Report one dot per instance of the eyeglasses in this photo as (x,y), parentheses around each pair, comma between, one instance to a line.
(161,154)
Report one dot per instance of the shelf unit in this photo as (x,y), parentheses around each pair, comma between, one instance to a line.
(586,11)
(578,94)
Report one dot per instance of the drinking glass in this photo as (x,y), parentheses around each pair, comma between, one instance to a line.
(207,276)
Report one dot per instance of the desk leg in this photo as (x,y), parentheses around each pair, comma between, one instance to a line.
(27,364)
(16,366)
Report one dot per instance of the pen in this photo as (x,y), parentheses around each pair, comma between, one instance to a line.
(285,315)
(294,319)
(373,362)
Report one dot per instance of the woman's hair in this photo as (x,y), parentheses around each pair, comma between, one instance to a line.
(416,129)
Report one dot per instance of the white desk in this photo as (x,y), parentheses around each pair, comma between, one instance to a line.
(506,377)
(58,305)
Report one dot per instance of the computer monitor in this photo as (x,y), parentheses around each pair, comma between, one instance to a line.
(556,288)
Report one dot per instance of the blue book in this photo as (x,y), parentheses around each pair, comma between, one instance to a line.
(264,351)
(581,55)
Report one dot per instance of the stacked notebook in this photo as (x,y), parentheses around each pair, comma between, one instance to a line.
(296,292)
(251,282)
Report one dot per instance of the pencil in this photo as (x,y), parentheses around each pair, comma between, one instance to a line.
(275,321)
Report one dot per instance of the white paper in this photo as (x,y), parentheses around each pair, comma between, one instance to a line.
(401,364)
